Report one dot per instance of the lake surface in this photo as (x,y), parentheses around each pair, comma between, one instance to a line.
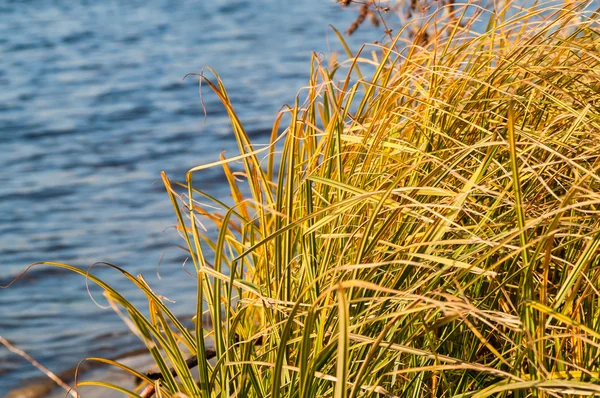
(92,108)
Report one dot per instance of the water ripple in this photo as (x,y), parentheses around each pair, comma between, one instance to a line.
(93,107)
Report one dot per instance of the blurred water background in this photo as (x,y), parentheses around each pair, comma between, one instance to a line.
(92,108)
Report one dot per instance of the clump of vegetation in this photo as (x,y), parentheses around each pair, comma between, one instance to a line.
(409,12)
(431,230)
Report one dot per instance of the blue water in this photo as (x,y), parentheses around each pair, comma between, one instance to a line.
(92,107)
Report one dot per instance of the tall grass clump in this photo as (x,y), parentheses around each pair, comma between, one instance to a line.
(426,226)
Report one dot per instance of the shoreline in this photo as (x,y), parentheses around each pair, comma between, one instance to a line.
(40,387)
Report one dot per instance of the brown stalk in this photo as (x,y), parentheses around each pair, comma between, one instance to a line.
(364,12)
(191,363)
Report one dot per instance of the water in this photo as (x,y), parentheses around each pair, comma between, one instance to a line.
(92,108)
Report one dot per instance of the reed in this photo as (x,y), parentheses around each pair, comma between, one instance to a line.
(426,225)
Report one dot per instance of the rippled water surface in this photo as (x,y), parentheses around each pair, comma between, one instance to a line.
(92,108)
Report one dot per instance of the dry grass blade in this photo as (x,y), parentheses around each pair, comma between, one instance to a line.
(41,367)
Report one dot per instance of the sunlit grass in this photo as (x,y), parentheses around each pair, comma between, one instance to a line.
(432,230)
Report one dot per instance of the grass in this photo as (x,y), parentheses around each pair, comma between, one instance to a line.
(432,229)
